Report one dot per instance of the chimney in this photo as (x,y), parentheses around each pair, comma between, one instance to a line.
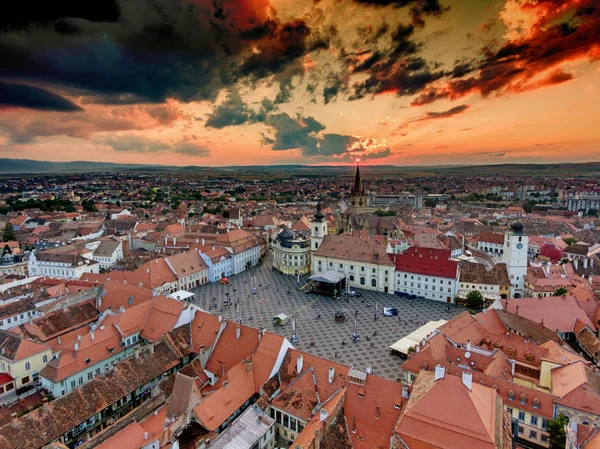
(202,242)
(146,435)
(354,424)
(58,339)
(323,415)
(377,412)
(440,371)
(331,374)
(517,311)
(467,380)
(299,363)
(174,241)
(92,336)
(468,345)
(237,332)
(78,337)
(150,348)
(76,346)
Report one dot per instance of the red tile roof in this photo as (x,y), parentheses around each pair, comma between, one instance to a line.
(426,261)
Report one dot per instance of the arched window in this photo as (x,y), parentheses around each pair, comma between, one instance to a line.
(362,281)
(352,277)
(373,283)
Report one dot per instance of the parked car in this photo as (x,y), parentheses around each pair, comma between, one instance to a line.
(354,293)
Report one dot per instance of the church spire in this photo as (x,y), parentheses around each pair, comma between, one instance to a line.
(358,188)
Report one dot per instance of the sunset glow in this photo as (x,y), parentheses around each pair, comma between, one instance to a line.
(286,82)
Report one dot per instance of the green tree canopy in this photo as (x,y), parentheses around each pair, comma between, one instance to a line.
(475,300)
(8,234)
(556,429)
(560,291)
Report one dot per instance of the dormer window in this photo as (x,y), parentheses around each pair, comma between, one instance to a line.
(536,404)
(87,360)
(523,400)
(511,396)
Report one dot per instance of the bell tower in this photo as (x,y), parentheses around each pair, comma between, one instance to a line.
(359,201)
(318,229)
(516,247)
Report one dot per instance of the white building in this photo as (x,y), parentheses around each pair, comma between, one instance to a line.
(243,247)
(62,266)
(516,247)
(365,262)
(108,252)
(291,252)
(427,273)
(219,262)
(490,242)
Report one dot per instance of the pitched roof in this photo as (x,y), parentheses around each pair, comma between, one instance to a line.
(430,419)
(427,261)
(14,348)
(354,249)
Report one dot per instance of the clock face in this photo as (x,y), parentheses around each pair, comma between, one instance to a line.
(519,245)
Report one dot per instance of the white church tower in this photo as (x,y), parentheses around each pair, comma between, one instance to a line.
(516,246)
(318,229)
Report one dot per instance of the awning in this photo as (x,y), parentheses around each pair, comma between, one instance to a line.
(328,277)
(411,340)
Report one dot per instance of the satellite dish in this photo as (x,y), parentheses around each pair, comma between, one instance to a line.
(467,355)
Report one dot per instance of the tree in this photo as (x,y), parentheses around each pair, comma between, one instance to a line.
(570,240)
(226,213)
(592,213)
(430,202)
(560,291)
(528,206)
(556,429)
(9,233)
(475,300)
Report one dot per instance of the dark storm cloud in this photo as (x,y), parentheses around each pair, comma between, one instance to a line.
(304,134)
(131,51)
(21,95)
(418,8)
(533,61)
(445,114)
(234,111)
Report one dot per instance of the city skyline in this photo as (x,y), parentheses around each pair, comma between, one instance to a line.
(405,82)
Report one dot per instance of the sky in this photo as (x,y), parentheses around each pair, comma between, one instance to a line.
(260,82)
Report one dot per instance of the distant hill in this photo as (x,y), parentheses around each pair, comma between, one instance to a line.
(10,167)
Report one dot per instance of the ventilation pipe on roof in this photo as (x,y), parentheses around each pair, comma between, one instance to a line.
(517,311)
(237,332)
(331,374)
(299,363)
(377,412)
(146,436)
(174,241)
(354,424)
(468,345)
(202,242)
(76,347)
(467,380)
(92,336)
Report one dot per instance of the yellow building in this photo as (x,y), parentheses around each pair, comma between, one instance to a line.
(21,358)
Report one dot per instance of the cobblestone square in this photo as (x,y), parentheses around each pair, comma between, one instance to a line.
(316,329)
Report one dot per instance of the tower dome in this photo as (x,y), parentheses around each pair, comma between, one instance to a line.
(517,227)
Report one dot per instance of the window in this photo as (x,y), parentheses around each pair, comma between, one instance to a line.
(73,384)
(97,371)
(534,420)
(544,424)
(352,267)
(81,381)
(533,434)
(521,429)
(25,380)
(27,366)
(543,438)
(509,410)
(45,359)
(352,277)
(90,376)
(521,416)
(373,283)
(362,281)
(341,265)
(523,400)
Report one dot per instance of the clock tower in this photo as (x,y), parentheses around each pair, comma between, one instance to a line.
(318,229)
(516,247)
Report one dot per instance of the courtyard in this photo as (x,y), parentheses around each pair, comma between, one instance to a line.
(316,329)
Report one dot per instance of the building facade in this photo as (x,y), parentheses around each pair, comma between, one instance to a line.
(515,257)
(291,252)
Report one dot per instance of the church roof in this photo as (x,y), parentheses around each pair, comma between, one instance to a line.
(358,188)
